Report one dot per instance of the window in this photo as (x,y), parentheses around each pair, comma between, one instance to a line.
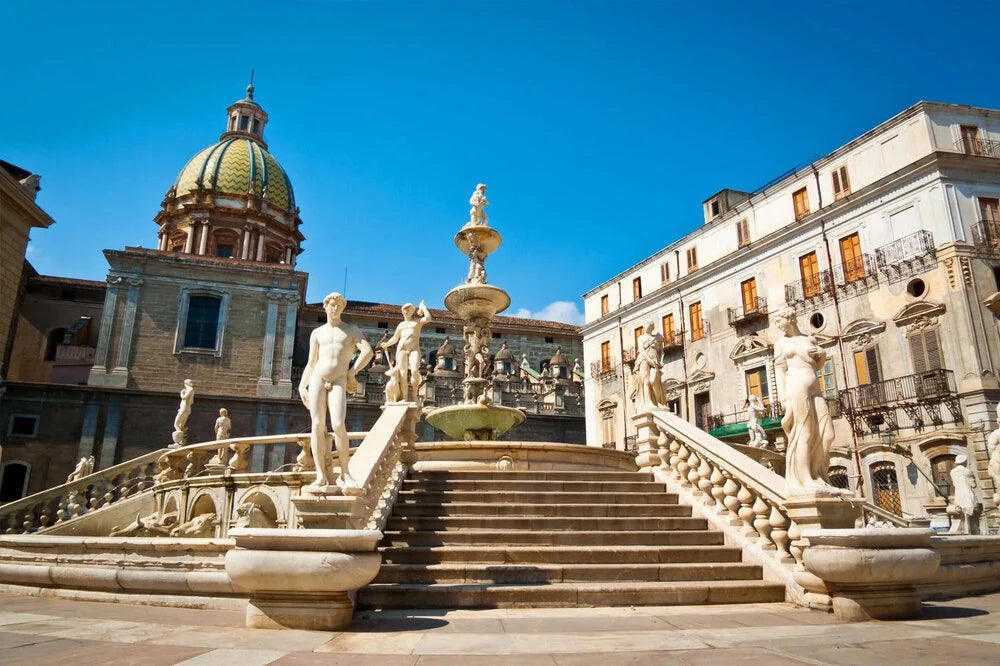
(608,423)
(449,365)
(715,208)
(550,340)
(256,126)
(224,251)
(989,209)
(697,324)
(827,380)
(636,288)
(867,366)
(440,330)
(14,481)
(886,486)
(742,233)
(381,324)
(605,357)
(668,327)
(757,384)
(202,325)
(748,289)
(604,305)
(22,425)
(636,333)
(838,477)
(850,255)
(941,473)
(841,183)
(924,350)
(177,246)
(800,199)
(702,409)
(244,122)
(809,270)
(692,259)
(496,336)
(674,406)
(664,273)
(970,140)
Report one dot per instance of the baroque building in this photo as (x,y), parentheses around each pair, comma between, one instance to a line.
(888,249)
(95,366)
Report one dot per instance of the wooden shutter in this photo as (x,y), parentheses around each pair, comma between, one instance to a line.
(749,291)
(637,288)
(871,358)
(925,351)
(809,270)
(664,272)
(692,259)
(850,255)
(989,209)
(970,139)
(697,328)
(668,327)
(604,305)
(800,199)
(841,183)
(605,356)
(743,233)
(636,333)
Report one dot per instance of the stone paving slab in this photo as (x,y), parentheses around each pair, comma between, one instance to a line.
(59,631)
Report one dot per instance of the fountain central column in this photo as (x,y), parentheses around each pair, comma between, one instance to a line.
(475,302)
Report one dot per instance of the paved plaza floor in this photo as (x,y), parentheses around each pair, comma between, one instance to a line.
(59,631)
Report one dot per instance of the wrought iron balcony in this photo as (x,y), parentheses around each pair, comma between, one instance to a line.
(977,146)
(757,310)
(856,276)
(603,372)
(986,236)
(699,333)
(812,286)
(628,356)
(774,412)
(926,386)
(630,443)
(608,445)
(673,341)
(905,250)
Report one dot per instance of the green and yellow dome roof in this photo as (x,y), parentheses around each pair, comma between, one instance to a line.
(237,165)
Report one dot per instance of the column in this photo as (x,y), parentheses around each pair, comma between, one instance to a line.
(288,342)
(264,383)
(245,245)
(128,326)
(161,240)
(260,245)
(203,246)
(107,325)
(189,241)
(109,445)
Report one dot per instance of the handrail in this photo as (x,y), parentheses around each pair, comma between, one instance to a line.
(71,497)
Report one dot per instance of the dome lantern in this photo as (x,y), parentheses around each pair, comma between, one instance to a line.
(246,119)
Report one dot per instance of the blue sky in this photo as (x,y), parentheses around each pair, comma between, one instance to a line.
(599,127)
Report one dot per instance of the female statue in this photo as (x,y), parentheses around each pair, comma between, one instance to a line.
(807,423)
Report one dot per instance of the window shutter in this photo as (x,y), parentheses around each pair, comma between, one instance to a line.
(871,357)
(932,350)
(917,353)
(836,182)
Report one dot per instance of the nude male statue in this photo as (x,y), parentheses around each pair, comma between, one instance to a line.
(326,380)
(406,338)
(477,214)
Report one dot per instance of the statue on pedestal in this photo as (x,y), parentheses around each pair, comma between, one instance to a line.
(223,425)
(756,410)
(807,423)
(477,264)
(406,338)
(477,214)
(648,372)
(993,447)
(326,380)
(83,468)
(183,412)
(965,504)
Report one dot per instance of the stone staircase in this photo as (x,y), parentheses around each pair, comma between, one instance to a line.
(479,539)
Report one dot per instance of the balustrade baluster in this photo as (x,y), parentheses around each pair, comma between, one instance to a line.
(682,465)
(718,489)
(11,524)
(692,476)
(61,512)
(795,545)
(732,502)
(663,450)
(705,481)
(675,447)
(28,521)
(761,523)
(240,462)
(746,514)
(779,535)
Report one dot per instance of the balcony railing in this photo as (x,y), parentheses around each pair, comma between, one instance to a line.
(904,250)
(628,356)
(603,372)
(809,287)
(774,410)
(986,236)
(756,309)
(700,333)
(977,146)
(673,341)
(933,385)
(630,443)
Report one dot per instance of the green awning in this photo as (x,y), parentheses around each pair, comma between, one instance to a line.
(732,430)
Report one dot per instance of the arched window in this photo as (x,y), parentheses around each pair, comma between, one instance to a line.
(14,481)
(838,477)
(202,322)
(53,340)
(885,486)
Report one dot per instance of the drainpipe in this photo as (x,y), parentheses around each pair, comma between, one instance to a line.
(840,342)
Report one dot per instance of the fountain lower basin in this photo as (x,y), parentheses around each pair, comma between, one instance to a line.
(475,422)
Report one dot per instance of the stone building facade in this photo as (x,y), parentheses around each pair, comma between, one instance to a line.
(96,366)
(888,249)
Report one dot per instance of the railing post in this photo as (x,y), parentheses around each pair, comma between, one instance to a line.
(646,448)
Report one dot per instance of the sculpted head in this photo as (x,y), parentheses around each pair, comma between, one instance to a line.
(649,327)
(481,188)
(408,310)
(223,412)
(334,304)
(786,321)
(188,383)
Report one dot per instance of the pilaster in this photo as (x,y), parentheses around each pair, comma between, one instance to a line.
(119,375)
(265,384)
(98,372)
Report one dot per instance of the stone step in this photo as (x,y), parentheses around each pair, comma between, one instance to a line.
(532,497)
(435,523)
(555,538)
(516,485)
(615,554)
(603,509)
(564,573)
(394,595)
(547,475)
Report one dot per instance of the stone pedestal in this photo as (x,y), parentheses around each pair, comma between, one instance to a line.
(646,447)
(871,573)
(329,512)
(302,579)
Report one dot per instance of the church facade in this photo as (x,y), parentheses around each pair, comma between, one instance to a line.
(95,367)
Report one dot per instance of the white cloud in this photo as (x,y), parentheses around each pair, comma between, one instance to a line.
(564,311)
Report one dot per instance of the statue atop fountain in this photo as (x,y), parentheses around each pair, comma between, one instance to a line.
(476,303)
